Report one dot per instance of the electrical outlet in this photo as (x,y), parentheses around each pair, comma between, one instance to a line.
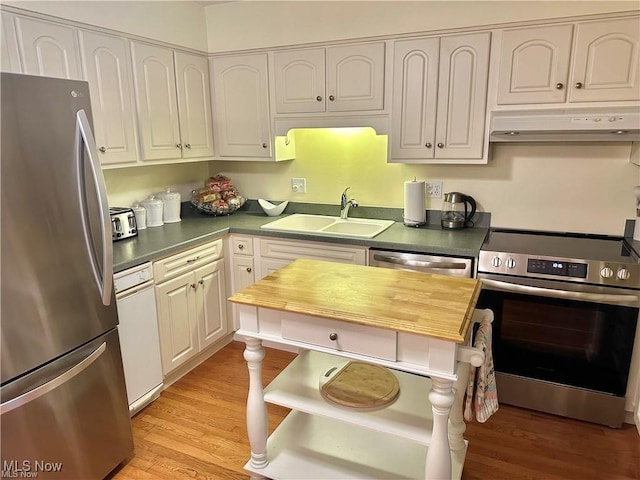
(299,185)
(434,189)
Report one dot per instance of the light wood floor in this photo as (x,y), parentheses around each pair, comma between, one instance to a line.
(196,430)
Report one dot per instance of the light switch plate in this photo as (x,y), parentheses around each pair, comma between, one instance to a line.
(299,185)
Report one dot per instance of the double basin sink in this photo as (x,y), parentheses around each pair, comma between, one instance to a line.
(331,226)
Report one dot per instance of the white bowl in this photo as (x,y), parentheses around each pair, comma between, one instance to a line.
(271,209)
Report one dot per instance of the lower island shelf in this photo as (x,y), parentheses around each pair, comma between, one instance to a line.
(319,439)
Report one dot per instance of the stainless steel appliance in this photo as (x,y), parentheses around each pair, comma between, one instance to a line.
(63,401)
(139,336)
(418,262)
(455,213)
(566,308)
(123,223)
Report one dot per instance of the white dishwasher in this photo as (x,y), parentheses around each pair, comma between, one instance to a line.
(139,337)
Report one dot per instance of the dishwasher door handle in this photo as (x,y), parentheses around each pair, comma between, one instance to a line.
(419,263)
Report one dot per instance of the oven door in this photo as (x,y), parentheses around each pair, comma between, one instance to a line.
(560,332)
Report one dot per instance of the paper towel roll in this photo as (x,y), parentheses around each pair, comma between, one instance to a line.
(415,212)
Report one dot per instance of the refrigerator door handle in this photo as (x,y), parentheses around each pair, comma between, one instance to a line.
(38,392)
(84,137)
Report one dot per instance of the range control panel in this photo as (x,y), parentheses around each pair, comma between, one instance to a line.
(557,267)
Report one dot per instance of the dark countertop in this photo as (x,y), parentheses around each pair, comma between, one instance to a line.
(197,228)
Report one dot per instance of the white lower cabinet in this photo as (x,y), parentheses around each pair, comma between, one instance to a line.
(191,306)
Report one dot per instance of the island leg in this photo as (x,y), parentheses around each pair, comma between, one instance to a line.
(257,426)
(438,464)
(457,426)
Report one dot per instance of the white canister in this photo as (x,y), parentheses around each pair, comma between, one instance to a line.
(141,216)
(154,208)
(171,202)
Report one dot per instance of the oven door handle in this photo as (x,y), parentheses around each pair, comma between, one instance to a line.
(553,293)
(419,263)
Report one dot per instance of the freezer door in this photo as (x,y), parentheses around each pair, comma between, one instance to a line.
(55,227)
(68,419)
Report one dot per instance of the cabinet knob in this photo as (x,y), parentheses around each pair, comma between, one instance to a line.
(248,269)
(179,145)
(102,150)
(333,336)
(332,98)
(578,85)
(264,145)
(441,145)
(188,145)
(559,86)
(428,144)
(194,286)
(319,98)
(201,281)
(241,247)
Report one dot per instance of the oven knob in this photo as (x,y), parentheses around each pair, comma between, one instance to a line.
(606,272)
(623,274)
(496,262)
(511,263)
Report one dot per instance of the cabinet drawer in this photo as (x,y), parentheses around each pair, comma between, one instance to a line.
(241,245)
(187,260)
(347,337)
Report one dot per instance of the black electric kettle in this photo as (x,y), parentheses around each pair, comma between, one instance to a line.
(455,213)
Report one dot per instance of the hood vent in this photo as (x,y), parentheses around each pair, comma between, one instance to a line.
(593,125)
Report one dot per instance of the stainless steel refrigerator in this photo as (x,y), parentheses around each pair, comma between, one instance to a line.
(64,411)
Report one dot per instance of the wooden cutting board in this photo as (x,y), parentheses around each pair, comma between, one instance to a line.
(362,385)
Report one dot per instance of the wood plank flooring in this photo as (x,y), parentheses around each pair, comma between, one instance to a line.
(196,430)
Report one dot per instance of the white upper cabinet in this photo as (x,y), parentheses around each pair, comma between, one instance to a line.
(194,105)
(106,64)
(439,98)
(9,45)
(157,103)
(595,61)
(534,65)
(345,78)
(47,49)
(174,111)
(606,63)
(241,108)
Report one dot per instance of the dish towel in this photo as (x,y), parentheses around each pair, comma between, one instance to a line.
(482,395)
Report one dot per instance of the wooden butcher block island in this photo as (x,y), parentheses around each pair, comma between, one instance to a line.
(416,324)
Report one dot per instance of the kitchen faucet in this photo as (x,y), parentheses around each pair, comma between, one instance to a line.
(345,204)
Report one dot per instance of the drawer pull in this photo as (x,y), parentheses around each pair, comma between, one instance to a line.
(333,336)
(192,260)
(241,247)
(248,269)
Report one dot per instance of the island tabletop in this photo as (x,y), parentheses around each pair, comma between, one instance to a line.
(419,303)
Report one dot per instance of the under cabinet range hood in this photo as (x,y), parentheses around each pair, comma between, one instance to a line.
(583,125)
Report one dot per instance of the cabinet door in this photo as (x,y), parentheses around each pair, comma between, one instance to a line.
(242,276)
(47,49)
(177,321)
(194,105)
(355,77)
(155,87)
(462,96)
(606,61)
(241,111)
(534,65)
(211,302)
(9,45)
(106,65)
(299,81)
(415,90)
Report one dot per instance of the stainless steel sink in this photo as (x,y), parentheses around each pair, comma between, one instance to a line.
(331,226)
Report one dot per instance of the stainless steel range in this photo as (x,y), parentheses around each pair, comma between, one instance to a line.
(566,308)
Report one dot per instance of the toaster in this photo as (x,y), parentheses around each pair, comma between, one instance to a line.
(123,223)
